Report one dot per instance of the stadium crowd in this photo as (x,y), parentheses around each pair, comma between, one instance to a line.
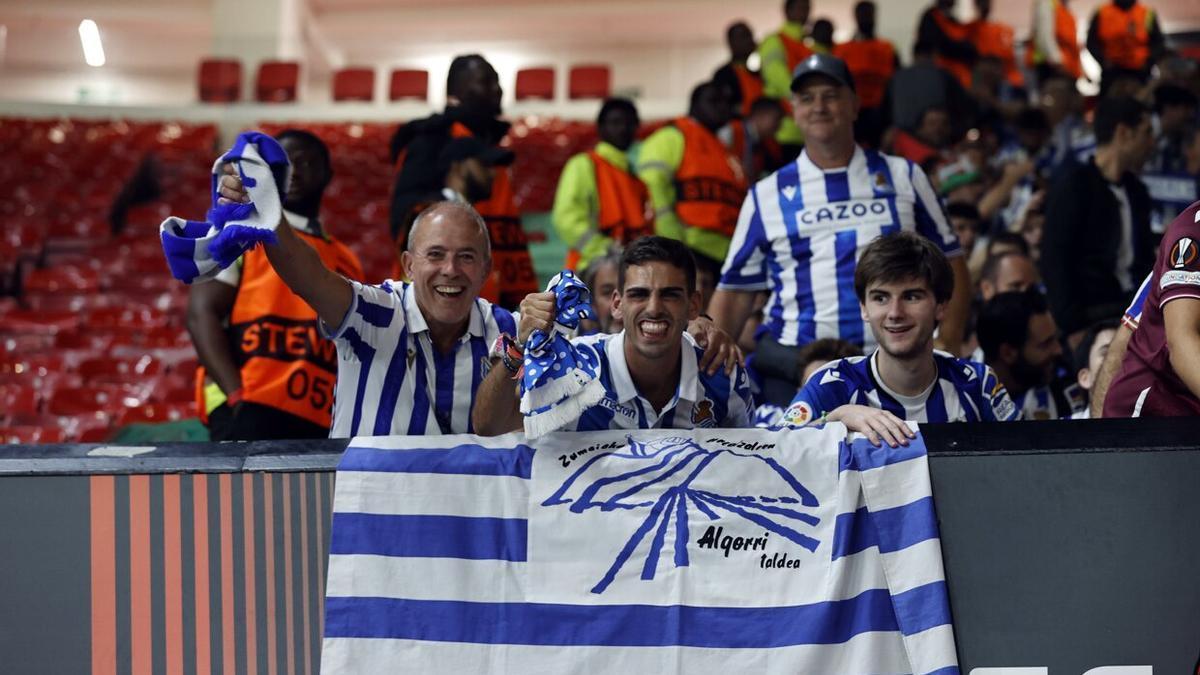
(835,236)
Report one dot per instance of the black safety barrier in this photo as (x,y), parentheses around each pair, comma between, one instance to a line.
(1069,547)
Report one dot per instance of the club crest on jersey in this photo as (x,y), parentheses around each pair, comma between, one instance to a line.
(1183,253)
(789,191)
(798,414)
(882,184)
(702,414)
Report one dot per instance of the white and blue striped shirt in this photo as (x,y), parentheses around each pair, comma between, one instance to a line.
(391,381)
(964,391)
(802,230)
(700,401)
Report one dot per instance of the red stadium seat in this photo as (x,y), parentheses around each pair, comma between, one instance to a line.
(60,279)
(593,81)
(18,399)
(354,84)
(32,434)
(277,81)
(39,323)
(107,399)
(535,83)
(409,84)
(155,413)
(108,369)
(220,80)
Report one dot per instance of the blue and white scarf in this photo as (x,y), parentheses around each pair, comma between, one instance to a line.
(198,250)
(561,380)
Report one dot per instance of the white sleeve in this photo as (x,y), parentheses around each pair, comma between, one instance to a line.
(373,312)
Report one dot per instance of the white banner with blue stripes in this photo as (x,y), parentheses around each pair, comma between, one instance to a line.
(657,552)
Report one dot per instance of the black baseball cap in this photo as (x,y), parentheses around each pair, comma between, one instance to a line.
(467,147)
(823,64)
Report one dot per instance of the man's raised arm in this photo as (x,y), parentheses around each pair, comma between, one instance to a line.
(297,263)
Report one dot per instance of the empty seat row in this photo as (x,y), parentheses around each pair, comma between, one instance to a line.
(220,81)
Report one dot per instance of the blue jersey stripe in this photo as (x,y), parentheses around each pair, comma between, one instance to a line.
(389,396)
(850,323)
(365,353)
(443,365)
(420,409)
(935,405)
(789,176)
(479,352)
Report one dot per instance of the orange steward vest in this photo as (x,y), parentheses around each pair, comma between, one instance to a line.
(959,33)
(1068,43)
(751,86)
(1125,35)
(995,40)
(796,51)
(872,64)
(709,184)
(625,210)
(284,361)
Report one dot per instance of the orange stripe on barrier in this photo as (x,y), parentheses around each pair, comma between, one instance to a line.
(228,657)
(203,597)
(322,553)
(269,555)
(173,573)
(140,631)
(104,575)
(304,573)
(289,624)
(251,590)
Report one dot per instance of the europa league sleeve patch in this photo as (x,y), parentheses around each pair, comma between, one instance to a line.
(1181,268)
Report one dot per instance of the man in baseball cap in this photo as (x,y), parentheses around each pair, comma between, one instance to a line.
(830,204)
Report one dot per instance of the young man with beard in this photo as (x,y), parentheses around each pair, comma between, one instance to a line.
(410,354)
(1021,342)
(903,282)
(654,375)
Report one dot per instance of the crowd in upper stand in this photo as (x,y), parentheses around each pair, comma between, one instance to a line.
(835,236)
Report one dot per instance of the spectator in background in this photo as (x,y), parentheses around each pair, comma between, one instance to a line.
(951,41)
(265,372)
(928,141)
(1071,138)
(1023,165)
(1102,378)
(921,86)
(600,275)
(872,61)
(1007,272)
(780,53)
(600,202)
(995,40)
(1167,177)
(695,184)
(745,86)
(1005,242)
(968,227)
(1054,45)
(473,97)
(468,166)
(822,211)
(1125,40)
(753,139)
(1089,357)
(1021,343)
(1098,243)
(821,39)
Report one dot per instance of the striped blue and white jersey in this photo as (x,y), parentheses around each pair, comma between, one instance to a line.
(391,381)
(1058,401)
(802,230)
(1133,313)
(964,391)
(700,401)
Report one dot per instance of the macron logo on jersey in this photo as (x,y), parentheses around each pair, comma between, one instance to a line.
(853,213)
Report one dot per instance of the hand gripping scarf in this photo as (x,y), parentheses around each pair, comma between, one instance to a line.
(561,380)
(198,250)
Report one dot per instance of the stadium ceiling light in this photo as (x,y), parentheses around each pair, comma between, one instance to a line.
(89,36)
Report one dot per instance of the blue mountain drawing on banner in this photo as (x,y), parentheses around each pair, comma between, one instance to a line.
(685,472)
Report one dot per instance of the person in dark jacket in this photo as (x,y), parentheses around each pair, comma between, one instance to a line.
(473,97)
(1097,243)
